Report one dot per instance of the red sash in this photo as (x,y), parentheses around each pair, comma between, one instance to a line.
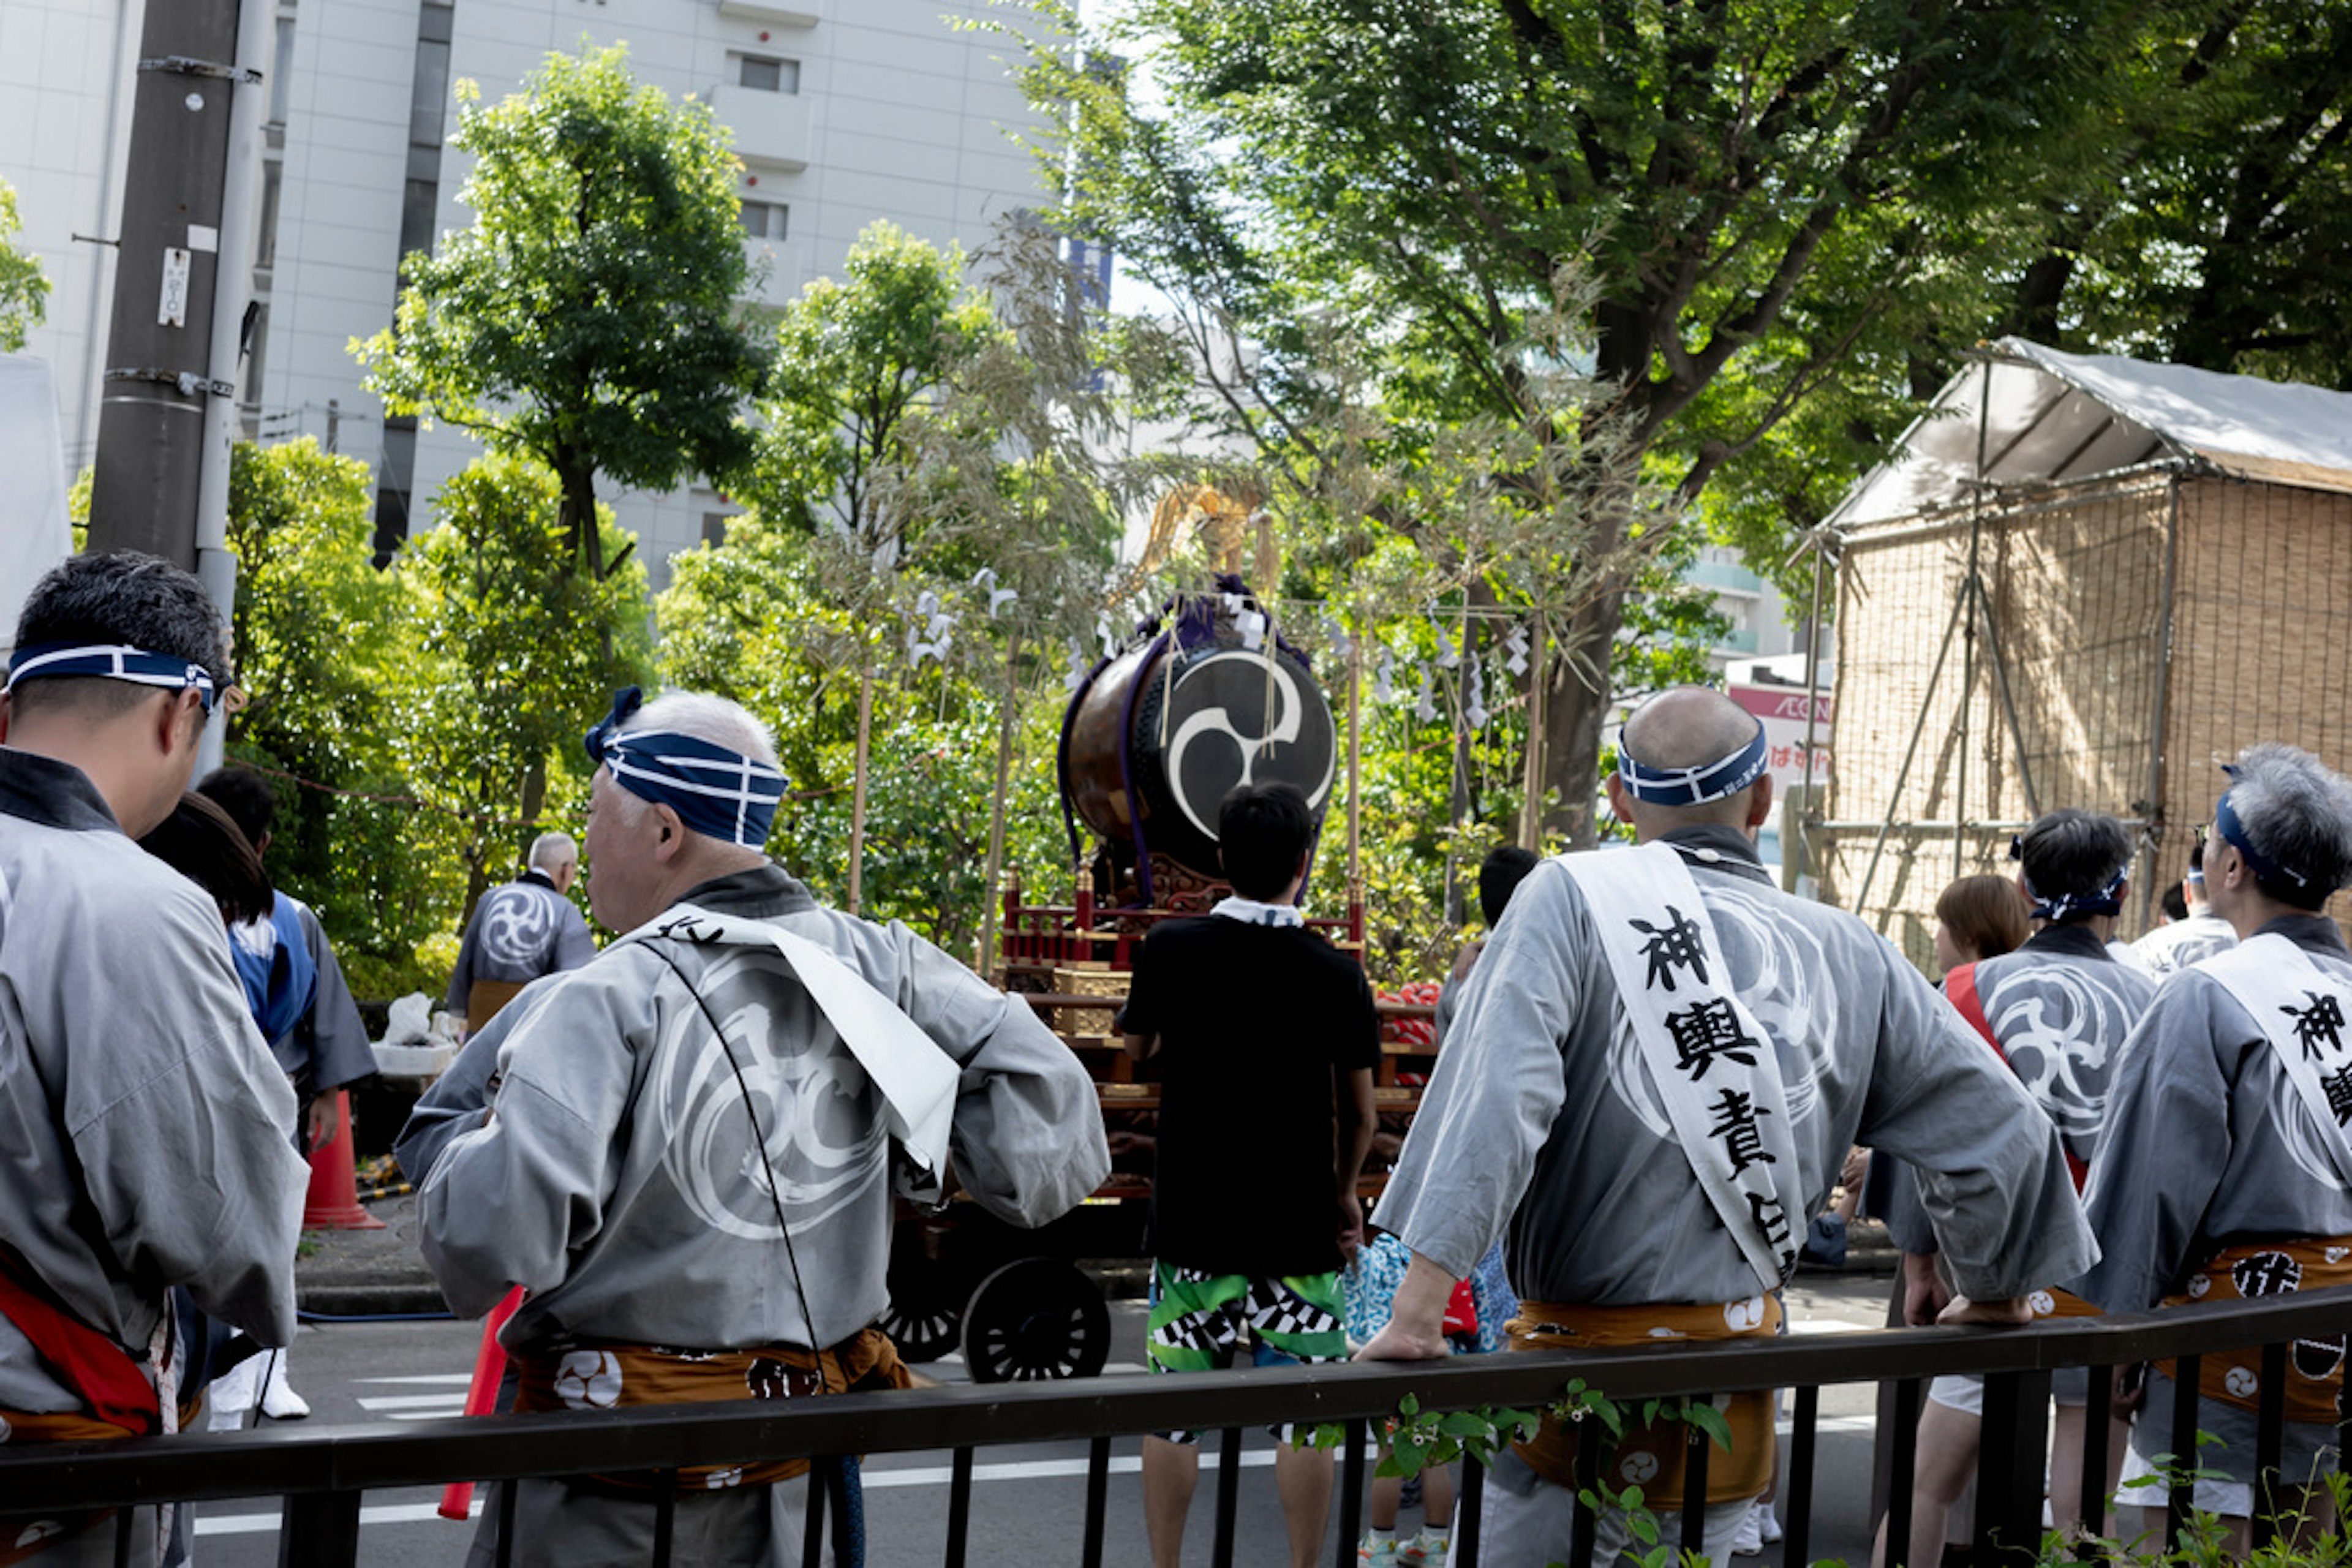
(1961,990)
(101,1373)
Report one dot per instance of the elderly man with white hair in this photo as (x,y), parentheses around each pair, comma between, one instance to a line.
(520,932)
(2225,1169)
(689,1148)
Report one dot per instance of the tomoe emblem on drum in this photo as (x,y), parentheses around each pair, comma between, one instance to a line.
(1199,789)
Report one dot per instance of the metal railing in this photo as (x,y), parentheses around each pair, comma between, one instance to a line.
(323,1474)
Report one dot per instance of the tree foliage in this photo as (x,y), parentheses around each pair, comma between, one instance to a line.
(1748,199)
(24,292)
(587,319)
(510,655)
(860,364)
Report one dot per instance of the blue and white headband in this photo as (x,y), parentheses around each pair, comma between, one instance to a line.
(2228,828)
(717,793)
(2106,901)
(1694,787)
(113,661)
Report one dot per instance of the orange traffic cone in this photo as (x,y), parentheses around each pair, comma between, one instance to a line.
(333,1201)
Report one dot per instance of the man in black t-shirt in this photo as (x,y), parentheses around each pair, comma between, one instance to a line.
(1267,1040)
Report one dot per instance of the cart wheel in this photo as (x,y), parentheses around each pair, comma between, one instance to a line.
(924,1320)
(1033,1320)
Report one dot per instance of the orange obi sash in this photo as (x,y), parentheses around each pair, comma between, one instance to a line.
(2055,1303)
(596,1374)
(1652,1456)
(2314,1368)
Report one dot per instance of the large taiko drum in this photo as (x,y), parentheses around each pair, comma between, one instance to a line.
(1159,734)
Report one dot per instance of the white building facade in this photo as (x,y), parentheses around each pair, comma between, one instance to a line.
(842,111)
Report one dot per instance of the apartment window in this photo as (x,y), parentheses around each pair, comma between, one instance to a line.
(763,74)
(248,392)
(419,207)
(430,92)
(264,244)
(281,71)
(764,220)
(714,529)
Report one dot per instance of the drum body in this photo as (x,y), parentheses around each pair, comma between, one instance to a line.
(1165,730)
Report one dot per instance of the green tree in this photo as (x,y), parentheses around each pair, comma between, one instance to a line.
(317,631)
(1753,196)
(587,319)
(509,655)
(860,364)
(24,293)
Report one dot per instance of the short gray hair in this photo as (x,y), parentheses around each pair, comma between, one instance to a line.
(2298,812)
(550,850)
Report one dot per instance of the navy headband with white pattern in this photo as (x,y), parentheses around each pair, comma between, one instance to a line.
(1694,787)
(110,661)
(2227,827)
(717,793)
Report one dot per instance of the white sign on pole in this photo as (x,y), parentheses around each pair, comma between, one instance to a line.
(173,310)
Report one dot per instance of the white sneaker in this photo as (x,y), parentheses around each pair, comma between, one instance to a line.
(228,1398)
(1768,1524)
(278,1400)
(1749,1540)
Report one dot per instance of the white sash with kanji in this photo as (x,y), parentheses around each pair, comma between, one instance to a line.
(917,1078)
(2302,1011)
(1713,1064)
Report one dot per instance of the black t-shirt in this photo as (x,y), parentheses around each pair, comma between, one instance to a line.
(1252,1021)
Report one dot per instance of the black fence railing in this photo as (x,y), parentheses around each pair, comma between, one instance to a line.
(323,1474)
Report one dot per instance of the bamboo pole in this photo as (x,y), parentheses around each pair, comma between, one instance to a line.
(1355,761)
(996,815)
(1531,815)
(857,797)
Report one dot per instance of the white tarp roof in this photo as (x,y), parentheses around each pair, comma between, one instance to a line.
(34,533)
(2054,416)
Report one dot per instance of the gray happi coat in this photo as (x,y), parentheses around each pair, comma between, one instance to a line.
(617,1179)
(142,1124)
(617,1182)
(521,930)
(2182,943)
(1542,1114)
(2061,1007)
(2208,1144)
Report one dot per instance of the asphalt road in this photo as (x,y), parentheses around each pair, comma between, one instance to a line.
(1028,1503)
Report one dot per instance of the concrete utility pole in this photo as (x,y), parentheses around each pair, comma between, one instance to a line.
(181,278)
(159,371)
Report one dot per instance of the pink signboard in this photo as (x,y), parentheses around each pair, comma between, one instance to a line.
(1785,710)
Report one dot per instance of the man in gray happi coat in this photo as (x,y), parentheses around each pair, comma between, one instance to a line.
(2058,1010)
(2221,1176)
(520,932)
(1543,1118)
(614,1174)
(146,1124)
(2201,936)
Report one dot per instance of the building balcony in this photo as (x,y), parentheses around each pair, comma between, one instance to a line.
(773,13)
(771,127)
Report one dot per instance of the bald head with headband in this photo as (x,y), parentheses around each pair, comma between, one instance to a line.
(1690,757)
(686,790)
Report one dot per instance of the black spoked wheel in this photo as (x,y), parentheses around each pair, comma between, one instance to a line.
(924,1320)
(1033,1320)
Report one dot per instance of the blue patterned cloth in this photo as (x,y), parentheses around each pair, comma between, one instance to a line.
(1371,1286)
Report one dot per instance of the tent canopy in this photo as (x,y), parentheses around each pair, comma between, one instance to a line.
(2052,416)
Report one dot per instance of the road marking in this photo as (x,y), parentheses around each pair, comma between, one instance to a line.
(413,1402)
(266,1524)
(437,1379)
